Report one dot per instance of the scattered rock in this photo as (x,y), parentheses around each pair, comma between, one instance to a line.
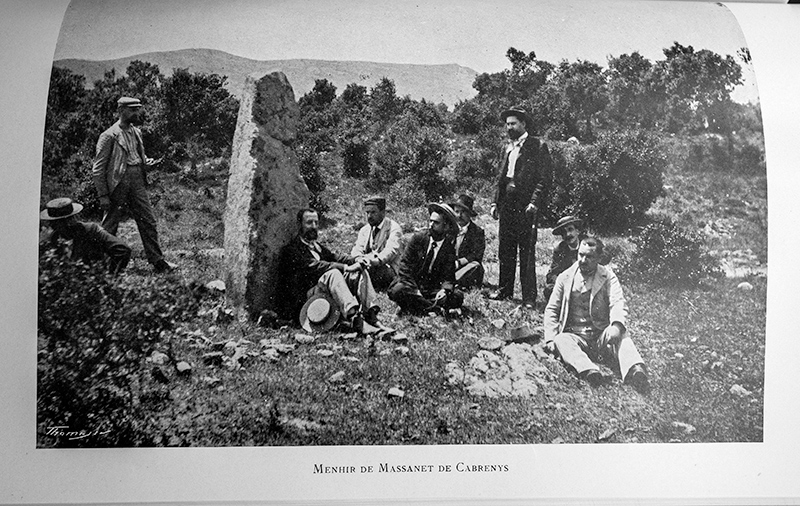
(679,355)
(403,350)
(607,434)
(158,358)
(271,354)
(350,335)
(499,323)
(685,427)
(301,425)
(183,367)
(744,286)
(304,338)
(351,359)
(230,347)
(337,378)
(324,353)
(385,352)
(217,285)
(557,441)
(396,392)
(525,334)
(740,391)
(490,343)
(211,381)
(398,338)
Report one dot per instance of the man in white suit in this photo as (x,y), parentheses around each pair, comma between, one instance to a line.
(585,320)
(378,244)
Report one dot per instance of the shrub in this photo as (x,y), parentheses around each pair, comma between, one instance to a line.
(410,151)
(355,158)
(668,254)
(310,171)
(94,332)
(610,184)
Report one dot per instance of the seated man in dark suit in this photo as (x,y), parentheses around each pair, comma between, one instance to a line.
(565,253)
(425,281)
(470,245)
(308,268)
(89,242)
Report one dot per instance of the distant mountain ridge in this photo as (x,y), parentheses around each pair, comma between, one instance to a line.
(446,83)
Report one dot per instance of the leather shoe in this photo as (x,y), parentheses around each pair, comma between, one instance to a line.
(499,296)
(594,377)
(637,378)
(371,315)
(164,266)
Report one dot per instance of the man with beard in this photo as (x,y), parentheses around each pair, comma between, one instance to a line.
(425,281)
(377,246)
(87,242)
(523,178)
(585,320)
(470,245)
(310,268)
(120,177)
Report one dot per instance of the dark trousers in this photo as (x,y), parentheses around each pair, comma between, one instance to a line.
(411,298)
(130,198)
(517,233)
(382,276)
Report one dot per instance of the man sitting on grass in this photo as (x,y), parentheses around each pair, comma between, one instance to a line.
(88,242)
(377,246)
(470,245)
(585,320)
(565,253)
(310,268)
(425,281)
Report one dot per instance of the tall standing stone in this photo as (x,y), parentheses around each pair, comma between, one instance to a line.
(265,191)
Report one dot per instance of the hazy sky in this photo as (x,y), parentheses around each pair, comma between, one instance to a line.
(473,33)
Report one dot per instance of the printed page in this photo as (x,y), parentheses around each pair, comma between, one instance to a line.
(170,351)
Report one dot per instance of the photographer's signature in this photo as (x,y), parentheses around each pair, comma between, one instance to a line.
(65,431)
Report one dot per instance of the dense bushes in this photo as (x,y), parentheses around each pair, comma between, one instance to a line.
(94,333)
(669,254)
(610,184)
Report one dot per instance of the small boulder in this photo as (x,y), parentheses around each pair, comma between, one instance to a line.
(396,392)
(337,378)
(216,285)
(183,367)
(744,286)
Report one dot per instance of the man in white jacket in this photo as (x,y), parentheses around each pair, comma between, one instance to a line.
(378,245)
(585,320)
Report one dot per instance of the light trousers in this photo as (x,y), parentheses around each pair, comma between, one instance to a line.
(575,351)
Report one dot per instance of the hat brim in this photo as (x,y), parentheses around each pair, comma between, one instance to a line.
(462,206)
(45,215)
(519,114)
(449,214)
(325,325)
(560,228)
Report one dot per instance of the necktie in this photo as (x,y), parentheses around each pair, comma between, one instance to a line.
(372,236)
(427,264)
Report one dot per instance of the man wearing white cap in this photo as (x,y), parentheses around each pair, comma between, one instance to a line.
(120,177)
(89,242)
(377,246)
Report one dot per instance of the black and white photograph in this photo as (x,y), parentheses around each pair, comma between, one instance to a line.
(387,244)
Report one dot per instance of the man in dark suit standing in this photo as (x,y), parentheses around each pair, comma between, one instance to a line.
(425,280)
(470,245)
(524,176)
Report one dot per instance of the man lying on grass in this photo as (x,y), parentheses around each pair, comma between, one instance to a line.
(585,320)
(311,269)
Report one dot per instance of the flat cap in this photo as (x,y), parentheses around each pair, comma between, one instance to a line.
(129,102)
(379,202)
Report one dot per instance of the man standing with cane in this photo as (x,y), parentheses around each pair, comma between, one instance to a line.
(120,177)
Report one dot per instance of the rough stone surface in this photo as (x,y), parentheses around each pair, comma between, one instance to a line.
(265,191)
(514,372)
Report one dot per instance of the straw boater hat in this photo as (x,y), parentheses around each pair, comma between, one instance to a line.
(465,202)
(446,211)
(319,314)
(58,209)
(517,111)
(563,222)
